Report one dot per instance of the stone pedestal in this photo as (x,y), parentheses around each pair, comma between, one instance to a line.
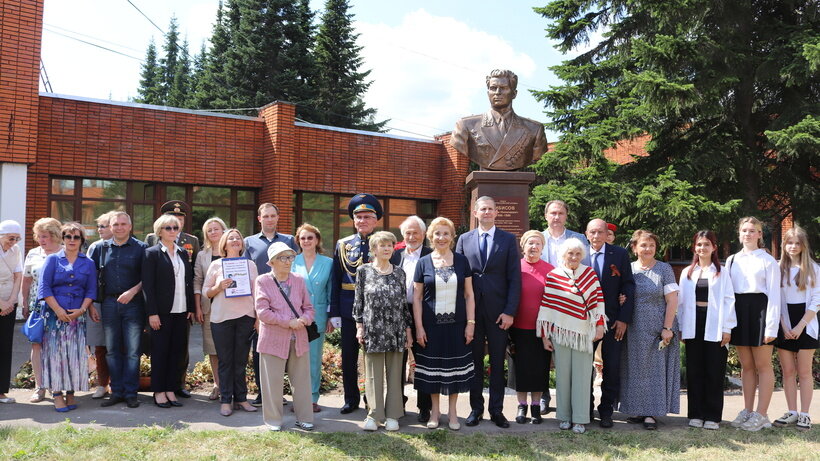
(511,191)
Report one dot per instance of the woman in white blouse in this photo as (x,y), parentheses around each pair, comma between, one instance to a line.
(800,299)
(706,315)
(756,281)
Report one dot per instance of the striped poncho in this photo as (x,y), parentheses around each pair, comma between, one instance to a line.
(571,307)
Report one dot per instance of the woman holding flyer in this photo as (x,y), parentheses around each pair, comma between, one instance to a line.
(229,283)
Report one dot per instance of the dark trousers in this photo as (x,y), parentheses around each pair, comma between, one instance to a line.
(167,349)
(611,385)
(486,330)
(350,362)
(231,342)
(6,341)
(184,359)
(705,371)
(423,399)
(255,359)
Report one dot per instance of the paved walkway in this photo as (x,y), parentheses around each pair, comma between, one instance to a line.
(199,413)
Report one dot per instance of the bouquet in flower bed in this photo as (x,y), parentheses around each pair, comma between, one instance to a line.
(24,377)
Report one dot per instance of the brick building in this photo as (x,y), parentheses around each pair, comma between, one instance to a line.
(73,158)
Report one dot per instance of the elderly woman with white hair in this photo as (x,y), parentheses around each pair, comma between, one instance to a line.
(11,276)
(570,319)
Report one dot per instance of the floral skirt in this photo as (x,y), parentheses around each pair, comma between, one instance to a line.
(64,357)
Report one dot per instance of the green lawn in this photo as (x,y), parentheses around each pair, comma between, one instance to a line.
(162,443)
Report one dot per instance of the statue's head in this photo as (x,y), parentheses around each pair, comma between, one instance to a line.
(501,88)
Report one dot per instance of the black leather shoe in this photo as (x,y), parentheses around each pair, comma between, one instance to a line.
(500,420)
(174,403)
(536,414)
(184,393)
(112,401)
(132,402)
(162,405)
(348,408)
(606,422)
(473,419)
(521,416)
(424,416)
(257,402)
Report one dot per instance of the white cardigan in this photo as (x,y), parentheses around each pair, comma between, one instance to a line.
(812,302)
(720,313)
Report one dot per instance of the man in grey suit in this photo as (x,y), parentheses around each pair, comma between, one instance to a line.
(499,139)
(496,273)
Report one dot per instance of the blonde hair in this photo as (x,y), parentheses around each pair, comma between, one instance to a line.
(205,230)
(442,221)
(757,223)
(223,242)
(165,220)
(315,230)
(381,237)
(50,225)
(105,218)
(806,276)
(531,233)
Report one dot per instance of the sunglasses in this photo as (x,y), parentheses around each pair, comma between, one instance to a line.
(286,259)
(14,239)
(306,237)
(72,237)
(171,228)
(102,226)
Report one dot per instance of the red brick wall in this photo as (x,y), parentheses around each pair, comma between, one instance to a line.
(624,151)
(20,31)
(455,199)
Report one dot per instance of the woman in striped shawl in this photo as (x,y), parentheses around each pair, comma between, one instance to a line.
(571,317)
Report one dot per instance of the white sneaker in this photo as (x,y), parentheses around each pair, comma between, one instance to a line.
(804,422)
(741,418)
(99,393)
(695,422)
(391,425)
(274,428)
(711,425)
(579,429)
(370,425)
(564,425)
(756,422)
(786,419)
(304,426)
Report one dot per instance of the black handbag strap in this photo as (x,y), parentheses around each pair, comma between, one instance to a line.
(284,295)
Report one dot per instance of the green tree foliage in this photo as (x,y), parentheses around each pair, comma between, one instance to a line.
(341,85)
(728,91)
(211,90)
(167,80)
(149,91)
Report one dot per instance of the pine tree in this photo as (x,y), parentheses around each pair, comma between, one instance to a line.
(170,61)
(341,86)
(211,90)
(149,90)
(722,88)
(179,93)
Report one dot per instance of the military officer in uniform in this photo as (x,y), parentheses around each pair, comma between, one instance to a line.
(190,244)
(350,253)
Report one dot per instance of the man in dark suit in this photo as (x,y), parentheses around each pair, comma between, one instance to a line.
(614,270)
(406,257)
(190,244)
(496,272)
(499,139)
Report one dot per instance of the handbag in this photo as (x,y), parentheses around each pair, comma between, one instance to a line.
(312,329)
(33,327)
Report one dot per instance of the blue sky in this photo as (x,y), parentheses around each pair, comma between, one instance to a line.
(428,58)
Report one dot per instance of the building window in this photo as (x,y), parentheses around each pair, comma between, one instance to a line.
(83,200)
(328,212)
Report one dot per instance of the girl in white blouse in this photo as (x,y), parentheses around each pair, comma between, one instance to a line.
(756,280)
(706,314)
(800,299)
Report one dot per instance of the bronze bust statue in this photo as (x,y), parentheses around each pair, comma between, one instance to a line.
(499,139)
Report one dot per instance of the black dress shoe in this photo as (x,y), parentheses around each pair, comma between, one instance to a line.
(257,402)
(184,393)
(606,422)
(473,419)
(132,402)
(424,415)
(521,416)
(112,401)
(163,404)
(348,408)
(536,414)
(174,403)
(500,420)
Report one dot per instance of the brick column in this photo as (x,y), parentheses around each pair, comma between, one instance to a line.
(279,168)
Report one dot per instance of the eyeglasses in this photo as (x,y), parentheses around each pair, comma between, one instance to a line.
(14,239)
(286,259)
(306,237)
(171,228)
(367,217)
(102,226)
(72,237)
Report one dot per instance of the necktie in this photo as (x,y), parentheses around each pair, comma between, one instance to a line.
(595,264)
(482,248)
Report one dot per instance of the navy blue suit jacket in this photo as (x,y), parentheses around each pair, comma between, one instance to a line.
(616,280)
(497,285)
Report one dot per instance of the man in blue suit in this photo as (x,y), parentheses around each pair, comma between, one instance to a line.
(614,270)
(496,268)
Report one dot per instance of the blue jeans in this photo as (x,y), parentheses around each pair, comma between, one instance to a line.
(123,324)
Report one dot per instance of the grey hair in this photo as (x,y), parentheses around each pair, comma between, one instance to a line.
(571,244)
(413,219)
(483,198)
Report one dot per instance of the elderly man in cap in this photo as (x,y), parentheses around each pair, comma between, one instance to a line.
(350,253)
(190,244)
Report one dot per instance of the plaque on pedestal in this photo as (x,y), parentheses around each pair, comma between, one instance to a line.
(510,190)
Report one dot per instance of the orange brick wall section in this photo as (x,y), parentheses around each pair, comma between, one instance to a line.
(20,31)
(455,202)
(624,151)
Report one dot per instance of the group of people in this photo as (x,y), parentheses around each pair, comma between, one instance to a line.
(555,296)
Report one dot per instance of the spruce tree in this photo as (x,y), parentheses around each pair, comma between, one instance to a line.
(149,91)
(212,90)
(170,61)
(340,86)
(179,92)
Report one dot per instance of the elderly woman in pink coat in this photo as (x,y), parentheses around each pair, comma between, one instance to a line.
(283,342)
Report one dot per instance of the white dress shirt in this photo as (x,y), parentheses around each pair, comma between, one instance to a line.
(757,272)
(408,265)
(720,306)
(550,251)
(491,233)
(179,305)
(811,296)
